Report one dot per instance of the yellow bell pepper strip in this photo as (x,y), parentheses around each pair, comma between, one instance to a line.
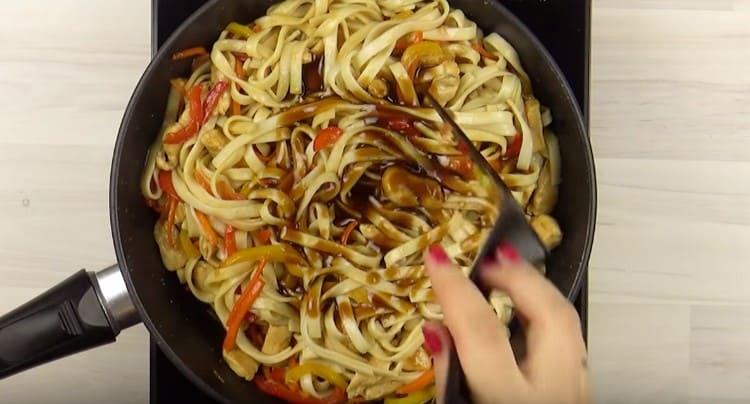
(235,106)
(424,380)
(418,397)
(196,117)
(243,305)
(189,53)
(318,369)
(187,245)
(422,54)
(274,253)
(242,31)
(206,228)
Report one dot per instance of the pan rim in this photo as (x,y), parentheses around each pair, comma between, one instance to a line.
(504,14)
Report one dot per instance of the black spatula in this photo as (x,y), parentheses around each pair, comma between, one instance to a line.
(510,227)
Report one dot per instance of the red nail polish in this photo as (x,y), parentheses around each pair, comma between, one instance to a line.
(437,253)
(432,342)
(506,253)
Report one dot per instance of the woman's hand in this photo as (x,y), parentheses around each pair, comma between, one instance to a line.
(554,367)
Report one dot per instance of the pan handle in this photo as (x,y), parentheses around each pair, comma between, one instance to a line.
(84,311)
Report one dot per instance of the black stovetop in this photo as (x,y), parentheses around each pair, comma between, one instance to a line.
(562,25)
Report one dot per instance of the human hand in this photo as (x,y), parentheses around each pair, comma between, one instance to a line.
(553,369)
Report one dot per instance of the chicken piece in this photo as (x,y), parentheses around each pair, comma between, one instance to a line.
(381,388)
(179,214)
(547,229)
(200,274)
(172,256)
(377,88)
(545,195)
(358,384)
(277,338)
(168,157)
(214,141)
(206,248)
(444,81)
(223,105)
(241,363)
(409,190)
(419,361)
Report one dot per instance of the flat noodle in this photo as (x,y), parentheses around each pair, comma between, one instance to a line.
(319,158)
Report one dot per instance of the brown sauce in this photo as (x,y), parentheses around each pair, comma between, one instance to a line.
(313,303)
(391,273)
(405,282)
(364,311)
(305,111)
(312,76)
(406,189)
(372,278)
(346,310)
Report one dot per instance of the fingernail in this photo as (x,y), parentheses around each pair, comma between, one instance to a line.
(507,254)
(431,340)
(437,254)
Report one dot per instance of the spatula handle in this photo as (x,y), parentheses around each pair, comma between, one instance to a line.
(456,388)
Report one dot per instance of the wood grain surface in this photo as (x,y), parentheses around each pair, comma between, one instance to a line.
(670,286)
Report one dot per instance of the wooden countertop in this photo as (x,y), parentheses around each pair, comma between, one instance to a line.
(670,290)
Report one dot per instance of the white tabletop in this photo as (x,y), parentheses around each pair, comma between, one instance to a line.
(669,286)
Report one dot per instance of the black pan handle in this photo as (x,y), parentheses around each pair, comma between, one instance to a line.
(84,311)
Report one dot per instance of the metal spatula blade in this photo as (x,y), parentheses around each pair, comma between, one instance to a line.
(510,227)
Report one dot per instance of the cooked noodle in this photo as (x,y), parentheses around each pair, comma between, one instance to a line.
(301,148)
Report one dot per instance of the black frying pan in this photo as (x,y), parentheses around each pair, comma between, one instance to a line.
(90,309)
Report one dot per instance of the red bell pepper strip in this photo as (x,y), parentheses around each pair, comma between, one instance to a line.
(276,389)
(166,185)
(264,236)
(196,117)
(213,98)
(327,137)
(514,148)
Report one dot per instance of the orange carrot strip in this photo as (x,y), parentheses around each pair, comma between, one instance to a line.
(189,52)
(208,231)
(424,380)
(243,305)
(230,242)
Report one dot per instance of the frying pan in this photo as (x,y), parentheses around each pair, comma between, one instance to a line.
(90,308)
